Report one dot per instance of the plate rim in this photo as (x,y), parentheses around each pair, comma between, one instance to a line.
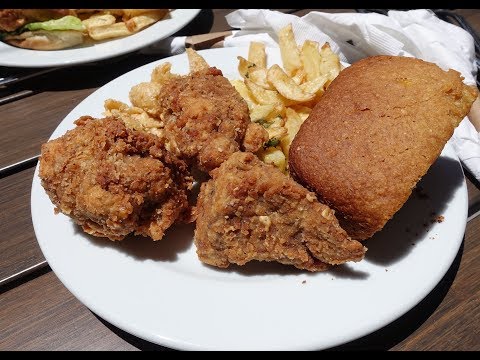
(184,16)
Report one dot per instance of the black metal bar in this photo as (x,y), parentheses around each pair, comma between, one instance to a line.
(19,166)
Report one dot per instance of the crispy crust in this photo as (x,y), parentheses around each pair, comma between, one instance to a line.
(374,134)
(252,211)
(206,119)
(113,181)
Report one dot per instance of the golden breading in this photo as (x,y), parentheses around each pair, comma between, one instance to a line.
(378,128)
(113,181)
(205,118)
(252,211)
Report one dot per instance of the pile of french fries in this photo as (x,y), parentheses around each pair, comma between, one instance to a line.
(281,99)
(106,24)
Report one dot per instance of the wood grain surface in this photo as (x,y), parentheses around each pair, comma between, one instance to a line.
(19,249)
(38,313)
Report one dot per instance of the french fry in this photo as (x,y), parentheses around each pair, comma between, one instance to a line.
(108,31)
(330,65)
(311,59)
(286,86)
(248,70)
(302,111)
(273,155)
(131,13)
(261,95)
(196,62)
(289,50)
(257,55)
(139,22)
(315,86)
(261,112)
(244,66)
(242,89)
(99,20)
(277,129)
(278,112)
(299,77)
(259,77)
(292,124)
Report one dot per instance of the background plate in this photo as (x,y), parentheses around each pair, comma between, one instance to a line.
(17,57)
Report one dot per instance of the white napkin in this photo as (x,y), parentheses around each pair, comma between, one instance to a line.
(417,33)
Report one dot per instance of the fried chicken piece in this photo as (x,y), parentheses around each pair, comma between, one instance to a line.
(252,211)
(113,181)
(205,118)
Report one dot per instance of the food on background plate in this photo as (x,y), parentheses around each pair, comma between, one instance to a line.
(281,99)
(374,134)
(252,211)
(114,181)
(54,29)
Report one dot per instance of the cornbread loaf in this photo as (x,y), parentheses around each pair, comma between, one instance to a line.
(375,132)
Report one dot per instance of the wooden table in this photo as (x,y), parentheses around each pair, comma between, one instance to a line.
(38,313)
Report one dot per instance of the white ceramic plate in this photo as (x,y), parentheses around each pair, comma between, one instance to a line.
(162,293)
(17,57)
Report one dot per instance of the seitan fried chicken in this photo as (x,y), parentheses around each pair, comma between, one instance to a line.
(252,211)
(113,181)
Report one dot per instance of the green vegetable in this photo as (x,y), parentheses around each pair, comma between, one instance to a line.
(271,143)
(263,122)
(68,22)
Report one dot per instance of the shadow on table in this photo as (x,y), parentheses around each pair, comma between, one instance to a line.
(382,339)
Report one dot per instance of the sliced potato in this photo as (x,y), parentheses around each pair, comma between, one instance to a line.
(289,50)
(302,111)
(273,155)
(196,61)
(259,77)
(242,89)
(140,22)
(311,59)
(330,65)
(131,13)
(257,55)
(292,124)
(315,86)
(99,20)
(109,31)
(299,77)
(261,112)
(261,95)
(286,86)
(244,66)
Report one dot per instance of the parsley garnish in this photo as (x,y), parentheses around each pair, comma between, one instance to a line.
(271,143)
